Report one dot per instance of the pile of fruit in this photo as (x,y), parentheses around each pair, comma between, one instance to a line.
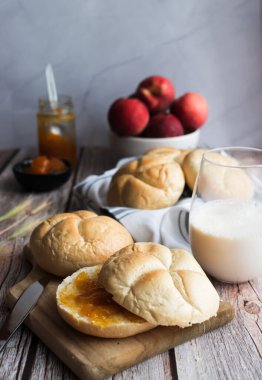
(153,111)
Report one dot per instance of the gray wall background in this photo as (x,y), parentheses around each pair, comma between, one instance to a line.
(101,49)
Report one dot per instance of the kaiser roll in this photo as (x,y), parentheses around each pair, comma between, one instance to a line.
(191,166)
(163,286)
(150,182)
(66,242)
(222,178)
(87,307)
(177,154)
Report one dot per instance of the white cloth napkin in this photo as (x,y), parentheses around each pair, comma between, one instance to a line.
(168,226)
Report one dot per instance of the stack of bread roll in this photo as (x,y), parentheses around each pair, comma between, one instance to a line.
(142,286)
(157,179)
(114,287)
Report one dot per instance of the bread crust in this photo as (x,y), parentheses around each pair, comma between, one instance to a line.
(150,182)
(217,181)
(165,287)
(191,165)
(69,241)
(121,327)
(177,154)
(225,180)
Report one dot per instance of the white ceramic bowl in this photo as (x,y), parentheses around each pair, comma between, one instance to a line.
(135,146)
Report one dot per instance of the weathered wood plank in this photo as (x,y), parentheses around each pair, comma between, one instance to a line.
(47,366)
(93,160)
(6,156)
(155,368)
(14,358)
(234,351)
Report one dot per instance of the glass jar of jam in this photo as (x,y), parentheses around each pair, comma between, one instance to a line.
(56,129)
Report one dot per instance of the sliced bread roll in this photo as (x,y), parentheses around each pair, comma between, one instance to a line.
(163,286)
(87,307)
(66,242)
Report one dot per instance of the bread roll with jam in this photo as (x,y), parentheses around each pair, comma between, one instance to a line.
(69,241)
(163,286)
(87,307)
(150,182)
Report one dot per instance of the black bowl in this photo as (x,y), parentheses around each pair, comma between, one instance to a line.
(40,182)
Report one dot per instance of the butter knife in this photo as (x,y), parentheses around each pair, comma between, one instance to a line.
(21,309)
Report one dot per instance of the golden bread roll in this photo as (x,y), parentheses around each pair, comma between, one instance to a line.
(217,180)
(87,307)
(221,178)
(182,156)
(150,182)
(163,286)
(191,165)
(177,154)
(66,242)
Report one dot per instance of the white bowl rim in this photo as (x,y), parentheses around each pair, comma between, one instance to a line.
(152,139)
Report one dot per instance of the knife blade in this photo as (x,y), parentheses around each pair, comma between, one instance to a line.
(21,309)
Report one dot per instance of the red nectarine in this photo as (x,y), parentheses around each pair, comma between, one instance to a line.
(164,125)
(128,117)
(156,92)
(191,109)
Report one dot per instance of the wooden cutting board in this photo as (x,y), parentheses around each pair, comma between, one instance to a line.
(97,358)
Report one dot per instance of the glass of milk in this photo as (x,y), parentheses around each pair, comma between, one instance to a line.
(225,222)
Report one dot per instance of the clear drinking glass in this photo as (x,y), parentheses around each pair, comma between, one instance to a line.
(225,222)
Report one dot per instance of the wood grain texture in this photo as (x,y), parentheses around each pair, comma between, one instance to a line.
(5,157)
(236,349)
(97,358)
(15,357)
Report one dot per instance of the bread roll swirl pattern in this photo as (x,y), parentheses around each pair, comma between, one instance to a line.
(150,182)
(163,286)
(177,154)
(69,241)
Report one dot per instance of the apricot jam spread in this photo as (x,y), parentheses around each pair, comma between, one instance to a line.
(85,297)
(44,165)
(56,129)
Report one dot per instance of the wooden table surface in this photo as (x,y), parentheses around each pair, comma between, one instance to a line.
(231,352)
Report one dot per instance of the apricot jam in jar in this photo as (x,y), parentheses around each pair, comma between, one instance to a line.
(56,129)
